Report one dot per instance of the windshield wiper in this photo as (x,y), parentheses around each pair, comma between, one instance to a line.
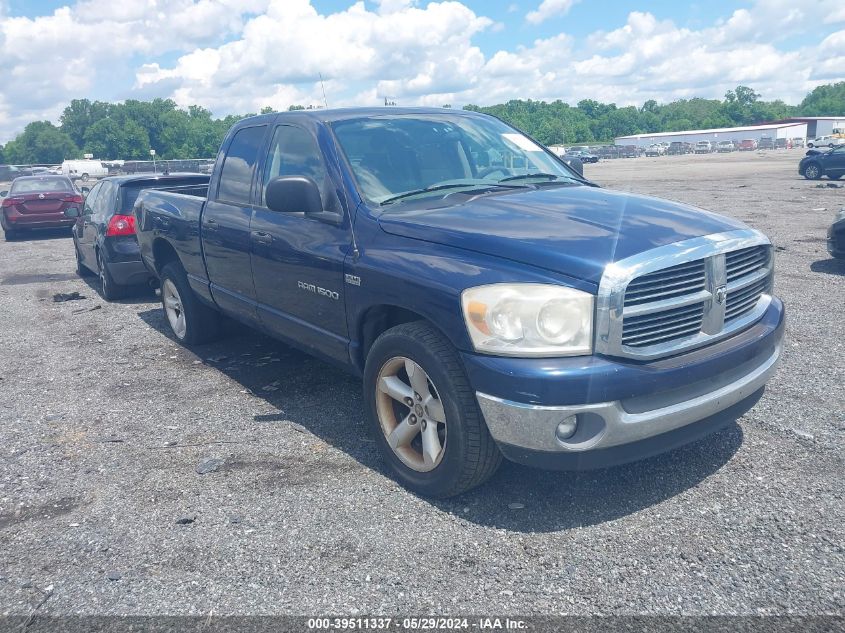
(453,185)
(538,174)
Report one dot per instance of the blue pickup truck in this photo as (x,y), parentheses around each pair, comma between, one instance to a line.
(494,301)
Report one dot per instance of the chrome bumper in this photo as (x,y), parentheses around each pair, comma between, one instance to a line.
(607,424)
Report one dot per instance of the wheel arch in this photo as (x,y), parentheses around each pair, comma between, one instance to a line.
(163,254)
(377,319)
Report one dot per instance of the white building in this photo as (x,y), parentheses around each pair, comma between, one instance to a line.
(819,125)
(782,129)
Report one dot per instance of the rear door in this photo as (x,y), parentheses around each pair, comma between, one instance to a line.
(297,260)
(225,224)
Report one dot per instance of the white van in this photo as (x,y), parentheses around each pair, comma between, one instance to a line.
(84,169)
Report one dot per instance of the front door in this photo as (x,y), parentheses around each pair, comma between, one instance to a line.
(225,226)
(297,260)
(85,229)
(836,162)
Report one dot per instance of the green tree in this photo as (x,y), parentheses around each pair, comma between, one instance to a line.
(80,115)
(41,142)
(826,100)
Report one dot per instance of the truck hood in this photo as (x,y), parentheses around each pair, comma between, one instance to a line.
(572,230)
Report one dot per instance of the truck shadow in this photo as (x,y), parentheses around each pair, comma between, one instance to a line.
(829,266)
(318,398)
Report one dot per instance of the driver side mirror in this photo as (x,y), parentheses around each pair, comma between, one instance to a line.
(575,164)
(293,194)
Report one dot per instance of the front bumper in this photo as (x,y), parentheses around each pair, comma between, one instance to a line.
(626,410)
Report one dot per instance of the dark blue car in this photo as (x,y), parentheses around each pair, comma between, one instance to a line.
(104,234)
(494,302)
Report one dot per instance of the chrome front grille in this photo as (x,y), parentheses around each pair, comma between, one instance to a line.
(748,277)
(674,281)
(683,295)
(666,325)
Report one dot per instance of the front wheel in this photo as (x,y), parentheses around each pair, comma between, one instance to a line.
(812,172)
(190,320)
(424,415)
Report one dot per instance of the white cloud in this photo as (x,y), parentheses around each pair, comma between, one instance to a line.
(236,56)
(548,9)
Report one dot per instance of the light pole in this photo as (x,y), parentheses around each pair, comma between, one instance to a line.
(153,154)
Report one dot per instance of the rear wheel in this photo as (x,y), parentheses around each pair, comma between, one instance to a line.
(812,171)
(109,290)
(424,415)
(190,320)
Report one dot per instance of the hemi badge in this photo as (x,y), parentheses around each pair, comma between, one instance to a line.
(355,280)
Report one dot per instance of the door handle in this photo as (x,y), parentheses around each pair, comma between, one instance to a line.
(211,224)
(262,237)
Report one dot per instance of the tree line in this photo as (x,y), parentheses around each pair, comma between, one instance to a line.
(130,129)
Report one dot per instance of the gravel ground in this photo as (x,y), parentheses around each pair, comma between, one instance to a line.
(105,423)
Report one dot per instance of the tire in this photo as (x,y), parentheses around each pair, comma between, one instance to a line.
(108,289)
(9,235)
(813,171)
(81,269)
(467,455)
(191,321)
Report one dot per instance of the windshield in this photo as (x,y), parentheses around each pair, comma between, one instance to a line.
(401,156)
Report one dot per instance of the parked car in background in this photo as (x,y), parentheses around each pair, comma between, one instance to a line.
(826,141)
(703,147)
(84,169)
(38,202)
(836,236)
(584,156)
(783,143)
(830,163)
(766,142)
(798,142)
(9,172)
(676,148)
(747,145)
(104,232)
(481,324)
(655,150)
(724,146)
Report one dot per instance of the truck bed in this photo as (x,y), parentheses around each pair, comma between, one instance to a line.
(172,216)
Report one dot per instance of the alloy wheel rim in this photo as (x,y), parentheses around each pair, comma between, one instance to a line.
(173,308)
(411,414)
(812,171)
(101,269)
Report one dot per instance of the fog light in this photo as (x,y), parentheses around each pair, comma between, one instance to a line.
(566,428)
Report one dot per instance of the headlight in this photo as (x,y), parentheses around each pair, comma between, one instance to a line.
(529,320)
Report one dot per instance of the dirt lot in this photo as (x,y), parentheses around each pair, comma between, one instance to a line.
(105,421)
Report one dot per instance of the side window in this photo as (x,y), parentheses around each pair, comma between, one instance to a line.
(236,175)
(102,205)
(294,152)
(91,199)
